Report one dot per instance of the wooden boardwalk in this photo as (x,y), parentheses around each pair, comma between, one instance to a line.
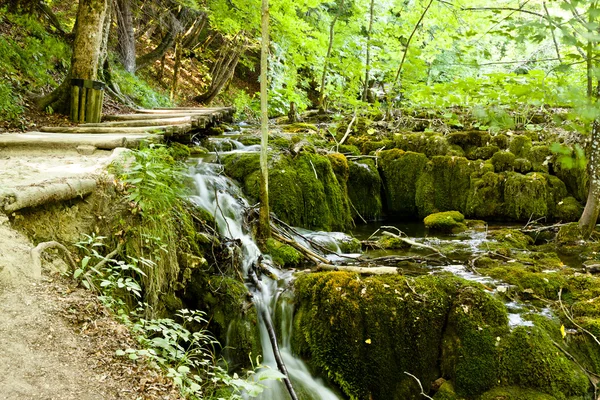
(125,130)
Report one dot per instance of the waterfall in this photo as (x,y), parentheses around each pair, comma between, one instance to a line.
(221,197)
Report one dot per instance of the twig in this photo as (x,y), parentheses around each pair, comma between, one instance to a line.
(108,257)
(36,256)
(420,386)
(570,317)
(349,129)
(357,213)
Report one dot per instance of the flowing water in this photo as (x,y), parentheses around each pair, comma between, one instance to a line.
(220,196)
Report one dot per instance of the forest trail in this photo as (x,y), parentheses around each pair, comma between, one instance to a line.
(57,341)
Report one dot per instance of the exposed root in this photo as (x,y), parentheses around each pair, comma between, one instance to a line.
(36,256)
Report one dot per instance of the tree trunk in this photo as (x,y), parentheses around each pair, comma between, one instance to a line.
(326,64)
(588,219)
(86,53)
(159,51)
(264,224)
(223,69)
(365,95)
(126,42)
(178,52)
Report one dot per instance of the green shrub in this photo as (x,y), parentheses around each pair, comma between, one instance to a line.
(139,90)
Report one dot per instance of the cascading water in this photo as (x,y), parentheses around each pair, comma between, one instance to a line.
(221,197)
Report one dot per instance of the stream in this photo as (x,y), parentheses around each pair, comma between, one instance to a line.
(220,196)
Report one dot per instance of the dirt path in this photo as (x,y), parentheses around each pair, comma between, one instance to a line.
(58,341)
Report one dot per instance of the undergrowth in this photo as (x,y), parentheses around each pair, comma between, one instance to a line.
(140,91)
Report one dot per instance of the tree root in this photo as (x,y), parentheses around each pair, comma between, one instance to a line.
(33,196)
(36,256)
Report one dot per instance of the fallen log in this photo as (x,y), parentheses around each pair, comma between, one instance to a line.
(37,140)
(360,270)
(142,122)
(47,192)
(105,129)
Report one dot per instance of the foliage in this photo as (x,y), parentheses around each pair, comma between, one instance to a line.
(139,90)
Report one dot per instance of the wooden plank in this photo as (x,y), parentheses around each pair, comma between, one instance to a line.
(145,122)
(103,130)
(35,140)
(129,117)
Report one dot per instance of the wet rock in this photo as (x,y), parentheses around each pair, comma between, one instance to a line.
(448,221)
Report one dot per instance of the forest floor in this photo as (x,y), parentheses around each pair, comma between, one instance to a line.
(57,341)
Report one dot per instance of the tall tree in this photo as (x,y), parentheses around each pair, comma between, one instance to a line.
(368,59)
(264,225)
(126,37)
(328,55)
(86,53)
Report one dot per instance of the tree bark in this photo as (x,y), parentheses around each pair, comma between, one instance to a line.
(588,219)
(86,53)
(178,53)
(159,51)
(264,225)
(126,42)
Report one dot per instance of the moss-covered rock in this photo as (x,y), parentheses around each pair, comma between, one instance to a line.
(482,153)
(448,221)
(446,392)
(303,191)
(569,235)
(574,176)
(444,184)
(429,143)
(525,196)
(523,165)
(364,190)
(539,156)
(299,127)
(400,172)
(282,254)
(486,196)
(511,238)
(515,393)
(520,146)
(568,210)
(392,242)
(468,139)
(503,161)
(500,140)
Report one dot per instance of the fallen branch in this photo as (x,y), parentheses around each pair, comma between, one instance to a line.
(311,255)
(360,270)
(349,129)
(36,256)
(33,196)
(420,385)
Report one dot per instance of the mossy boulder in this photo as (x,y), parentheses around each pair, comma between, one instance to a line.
(468,139)
(540,156)
(429,143)
(392,242)
(503,161)
(511,238)
(568,210)
(482,153)
(525,196)
(569,235)
(303,191)
(282,254)
(515,393)
(486,197)
(448,221)
(299,127)
(523,165)
(444,184)
(500,140)
(520,146)
(400,171)
(364,190)
(574,176)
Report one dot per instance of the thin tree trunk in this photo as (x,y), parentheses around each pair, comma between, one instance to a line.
(588,219)
(264,225)
(126,42)
(178,52)
(86,53)
(329,48)
(166,43)
(368,61)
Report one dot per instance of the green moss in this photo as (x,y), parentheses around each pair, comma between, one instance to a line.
(530,359)
(520,146)
(500,140)
(364,190)
(503,161)
(400,172)
(482,153)
(568,210)
(446,392)
(349,149)
(456,151)
(469,139)
(575,177)
(569,235)
(299,127)
(539,157)
(525,196)
(556,191)
(391,242)
(469,355)
(430,144)
(283,254)
(364,332)
(515,393)
(523,165)
(444,184)
(511,237)
(303,191)
(486,196)
(448,221)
